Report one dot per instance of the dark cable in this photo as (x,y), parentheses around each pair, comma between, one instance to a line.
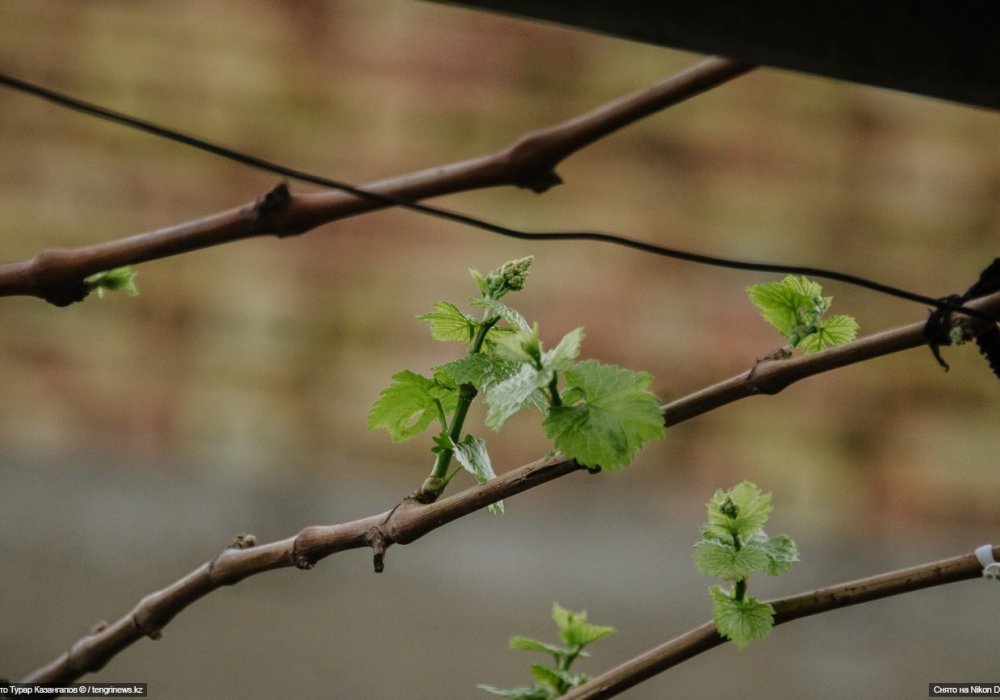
(262,164)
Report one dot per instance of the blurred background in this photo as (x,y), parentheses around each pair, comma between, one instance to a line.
(138,435)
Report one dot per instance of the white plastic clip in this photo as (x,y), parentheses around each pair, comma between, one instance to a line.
(991,568)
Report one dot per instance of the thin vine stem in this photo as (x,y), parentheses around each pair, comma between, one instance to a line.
(466,395)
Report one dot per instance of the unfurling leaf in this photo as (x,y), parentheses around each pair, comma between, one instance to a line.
(471,454)
(510,396)
(781,551)
(513,318)
(786,304)
(574,630)
(117,279)
(560,358)
(741,511)
(448,323)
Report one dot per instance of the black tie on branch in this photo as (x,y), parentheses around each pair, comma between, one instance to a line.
(943,306)
(945,328)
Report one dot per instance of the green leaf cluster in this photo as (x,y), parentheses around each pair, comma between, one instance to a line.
(796,308)
(413,401)
(602,415)
(556,679)
(599,415)
(733,546)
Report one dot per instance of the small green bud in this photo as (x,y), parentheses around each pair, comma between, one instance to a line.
(118,279)
(729,509)
(509,277)
(514,273)
(532,345)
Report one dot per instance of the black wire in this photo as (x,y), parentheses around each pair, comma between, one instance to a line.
(464,219)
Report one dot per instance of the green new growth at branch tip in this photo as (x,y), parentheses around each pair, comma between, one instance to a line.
(796,308)
(553,681)
(599,415)
(733,546)
(117,279)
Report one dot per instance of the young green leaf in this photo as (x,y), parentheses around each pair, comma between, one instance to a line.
(564,618)
(781,551)
(409,404)
(742,621)
(741,511)
(554,681)
(558,679)
(482,281)
(496,308)
(479,369)
(528,644)
(574,630)
(117,279)
(585,633)
(510,396)
(720,558)
(547,675)
(448,323)
(520,346)
(829,333)
(607,414)
(532,692)
(560,358)
(471,454)
(786,304)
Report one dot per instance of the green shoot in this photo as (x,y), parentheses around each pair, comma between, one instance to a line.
(599,415)
(553,681)
(734,545)
(796,308)
(118,279)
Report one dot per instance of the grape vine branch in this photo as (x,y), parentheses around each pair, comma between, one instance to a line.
(60,275)
(410,520)
(57,275)
(705,637)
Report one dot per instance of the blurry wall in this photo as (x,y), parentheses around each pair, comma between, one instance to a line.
(249,369)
